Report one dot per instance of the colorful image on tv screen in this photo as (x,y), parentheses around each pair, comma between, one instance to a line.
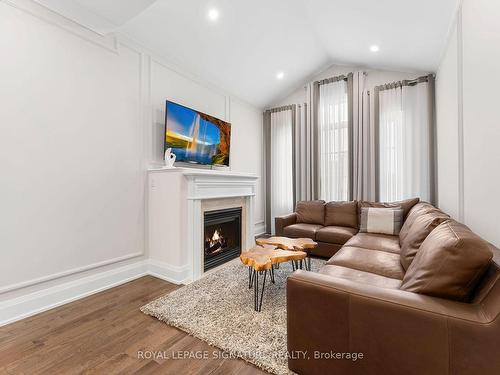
(196,137)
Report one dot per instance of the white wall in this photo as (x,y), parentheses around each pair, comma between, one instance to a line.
(81,119)
(248,140)
(481,111)
(478,114)
(246,120)
(71,151)
(447,128)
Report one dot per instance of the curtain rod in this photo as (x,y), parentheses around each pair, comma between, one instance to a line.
(405,82)
(280,109)
(333,79)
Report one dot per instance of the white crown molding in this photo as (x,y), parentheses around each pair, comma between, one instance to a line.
(112,41)
(107,42)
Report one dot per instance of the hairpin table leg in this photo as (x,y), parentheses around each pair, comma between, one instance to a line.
(251,273)
(255,289)
(257,301)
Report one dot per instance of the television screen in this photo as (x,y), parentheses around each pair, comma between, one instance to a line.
(196,137)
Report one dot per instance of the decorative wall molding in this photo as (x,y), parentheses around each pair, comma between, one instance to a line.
(73,271)
(18,308)
(66,291)
(34,303)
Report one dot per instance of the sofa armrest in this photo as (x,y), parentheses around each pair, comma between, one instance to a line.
(403,330)
(280,222)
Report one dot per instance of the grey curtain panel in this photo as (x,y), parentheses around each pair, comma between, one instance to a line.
(267,167)
(303,161)
(431,80)
(306,158)
(363,141)
(311,129)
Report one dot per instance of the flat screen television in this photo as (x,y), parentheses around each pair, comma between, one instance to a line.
(196,137)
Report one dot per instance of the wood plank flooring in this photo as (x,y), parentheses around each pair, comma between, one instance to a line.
(105,334)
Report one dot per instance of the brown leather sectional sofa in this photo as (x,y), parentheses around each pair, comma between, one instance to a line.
(424,302)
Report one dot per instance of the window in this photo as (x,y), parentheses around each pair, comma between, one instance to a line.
(333,127)
(404,143)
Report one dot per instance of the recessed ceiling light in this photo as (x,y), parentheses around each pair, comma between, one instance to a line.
(280,75)
(213,14)
(374,48)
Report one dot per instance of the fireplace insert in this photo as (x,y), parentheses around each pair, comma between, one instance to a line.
(222,236)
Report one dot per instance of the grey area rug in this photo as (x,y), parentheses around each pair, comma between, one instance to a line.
(219,309)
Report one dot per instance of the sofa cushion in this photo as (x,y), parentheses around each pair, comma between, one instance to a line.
(325,249)
(374,241)
(381,220)
(379,262)
(449,264)
(360,276)
(406,205)
(337,235)
(302,230)
(310,212)
(422,225)
(341,214)
(416,211)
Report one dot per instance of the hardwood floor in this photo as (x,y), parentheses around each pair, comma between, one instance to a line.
(107,334)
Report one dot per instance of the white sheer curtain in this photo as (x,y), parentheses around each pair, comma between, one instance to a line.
(333,141)
(404,143)
(281,164)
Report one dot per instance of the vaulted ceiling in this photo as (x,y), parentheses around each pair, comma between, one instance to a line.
(252,40)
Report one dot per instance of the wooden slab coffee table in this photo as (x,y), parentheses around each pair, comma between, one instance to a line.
(286,243)
(261,259)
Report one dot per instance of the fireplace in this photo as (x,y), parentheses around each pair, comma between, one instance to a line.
(222,236)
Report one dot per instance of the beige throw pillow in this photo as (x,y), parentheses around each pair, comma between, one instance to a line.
(381,220)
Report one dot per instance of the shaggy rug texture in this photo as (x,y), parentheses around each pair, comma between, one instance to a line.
(219,309)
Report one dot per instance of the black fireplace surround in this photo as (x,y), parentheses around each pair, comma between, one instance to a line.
(222,236)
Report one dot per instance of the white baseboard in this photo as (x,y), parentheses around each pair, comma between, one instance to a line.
(18,308)
(70,272)
(260,228)
(164,271)
(34,303)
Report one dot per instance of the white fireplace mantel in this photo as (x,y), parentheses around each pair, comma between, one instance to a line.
(176,205)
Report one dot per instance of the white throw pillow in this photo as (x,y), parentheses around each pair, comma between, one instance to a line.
(381,220)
